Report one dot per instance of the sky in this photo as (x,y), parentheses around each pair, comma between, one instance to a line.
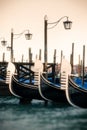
(29,14)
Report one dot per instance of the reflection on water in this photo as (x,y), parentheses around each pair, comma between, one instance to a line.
(37,116)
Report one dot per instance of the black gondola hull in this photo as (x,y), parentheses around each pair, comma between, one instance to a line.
(77,95)
(4,89)
(25,90)
(52,92)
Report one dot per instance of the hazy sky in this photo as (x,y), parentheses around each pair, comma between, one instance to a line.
(29,14)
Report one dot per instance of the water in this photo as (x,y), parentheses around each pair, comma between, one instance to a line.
(37,116)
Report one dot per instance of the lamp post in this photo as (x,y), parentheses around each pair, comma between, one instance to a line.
(28,36)
(3,42)
(67,25)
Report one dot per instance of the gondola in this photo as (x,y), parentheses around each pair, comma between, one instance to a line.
(56,92)
(51,91)
(4,85)
(76,94)
(25,91)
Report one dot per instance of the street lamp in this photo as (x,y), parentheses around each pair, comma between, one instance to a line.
(3,42)
(28,36)
(67,25)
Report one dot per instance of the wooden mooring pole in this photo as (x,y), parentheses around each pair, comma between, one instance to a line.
(30,61)
(40,54)
(22,58)
(30,55)
(3,57)
(72,58)
(79,66)
(54,63)
(61,56)
(83,65)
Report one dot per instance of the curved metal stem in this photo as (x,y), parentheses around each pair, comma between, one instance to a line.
(59,20)
(56,22)
(19,34)
(22,32)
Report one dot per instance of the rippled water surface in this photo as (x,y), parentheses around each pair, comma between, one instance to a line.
(37,116)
